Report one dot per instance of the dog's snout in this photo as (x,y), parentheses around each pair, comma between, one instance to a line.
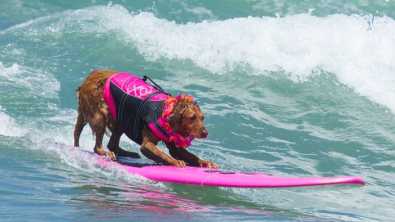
(204,133)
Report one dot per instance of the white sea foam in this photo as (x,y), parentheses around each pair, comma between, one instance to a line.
(16,81)
(8,126)
(359,50)
(27,78)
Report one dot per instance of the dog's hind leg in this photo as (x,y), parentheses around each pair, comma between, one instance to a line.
(98,127)
(113,145)
(79,126)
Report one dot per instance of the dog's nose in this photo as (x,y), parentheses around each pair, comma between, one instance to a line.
(204,133)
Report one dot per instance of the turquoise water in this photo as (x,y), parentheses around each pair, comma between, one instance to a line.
(291,88)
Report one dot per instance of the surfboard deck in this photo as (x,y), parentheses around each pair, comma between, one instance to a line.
(224,178)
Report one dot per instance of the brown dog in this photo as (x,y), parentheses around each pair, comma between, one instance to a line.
(186,120)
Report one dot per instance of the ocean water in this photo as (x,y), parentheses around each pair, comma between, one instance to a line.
(291,88)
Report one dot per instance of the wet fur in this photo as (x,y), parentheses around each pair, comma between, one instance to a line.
(187,119)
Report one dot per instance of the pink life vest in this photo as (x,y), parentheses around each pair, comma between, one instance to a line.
(134,103)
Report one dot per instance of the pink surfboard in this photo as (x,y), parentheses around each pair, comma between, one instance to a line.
(225,178)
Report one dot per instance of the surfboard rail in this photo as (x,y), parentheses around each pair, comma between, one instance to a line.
(224,178)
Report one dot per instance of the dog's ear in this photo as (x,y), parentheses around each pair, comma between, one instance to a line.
(174,121)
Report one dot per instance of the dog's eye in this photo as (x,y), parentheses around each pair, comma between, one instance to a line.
(192,118)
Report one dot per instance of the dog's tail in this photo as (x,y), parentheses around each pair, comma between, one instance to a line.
(78,92)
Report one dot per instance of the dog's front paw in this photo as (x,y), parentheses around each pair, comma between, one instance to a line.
(178,163)
(208,164)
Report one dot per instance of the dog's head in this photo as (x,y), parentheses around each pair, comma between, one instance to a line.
(187,119)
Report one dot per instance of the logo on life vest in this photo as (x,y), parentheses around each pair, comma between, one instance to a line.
(140,91)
